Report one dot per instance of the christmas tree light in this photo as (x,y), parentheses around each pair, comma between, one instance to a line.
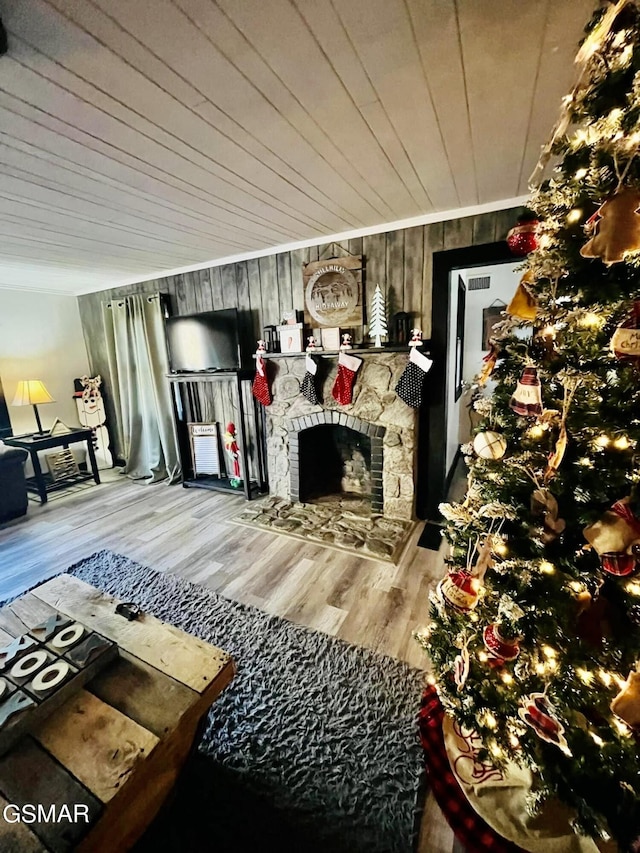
(559,550)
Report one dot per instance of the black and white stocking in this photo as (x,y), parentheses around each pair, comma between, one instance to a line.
(309,390)
(410,387)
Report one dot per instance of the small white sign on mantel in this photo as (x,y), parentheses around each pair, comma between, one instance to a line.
(331,338)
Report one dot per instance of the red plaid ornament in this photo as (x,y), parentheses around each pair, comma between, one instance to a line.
(260,387)
(348,366)
(527,398)
(498,647)
(536,711)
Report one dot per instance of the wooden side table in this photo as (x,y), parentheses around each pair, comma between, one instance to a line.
(42,483)
(116,746)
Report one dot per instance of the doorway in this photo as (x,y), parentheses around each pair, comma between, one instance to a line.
(435,466)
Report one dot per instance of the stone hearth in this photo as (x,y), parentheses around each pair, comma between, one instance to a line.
(376,412)
(344,522)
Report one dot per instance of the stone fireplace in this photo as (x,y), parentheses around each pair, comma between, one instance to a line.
(366,448)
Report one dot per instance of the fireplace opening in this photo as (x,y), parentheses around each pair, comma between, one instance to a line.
(334,460)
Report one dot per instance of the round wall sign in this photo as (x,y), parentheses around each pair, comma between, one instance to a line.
(331,295)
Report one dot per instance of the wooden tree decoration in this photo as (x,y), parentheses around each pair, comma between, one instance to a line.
(618,228)
(378,320)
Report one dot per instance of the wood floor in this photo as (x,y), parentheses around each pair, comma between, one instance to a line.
(188,532)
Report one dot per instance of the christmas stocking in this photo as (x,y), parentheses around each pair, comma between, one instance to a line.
(348,366)
(260,387)
(309,382)
(410,387)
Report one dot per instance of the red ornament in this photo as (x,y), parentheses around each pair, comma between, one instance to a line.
(460,590)
(497,646)
(536,711)
(522,238)
(619,565)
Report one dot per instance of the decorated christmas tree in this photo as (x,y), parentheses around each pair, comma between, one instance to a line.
(535,631)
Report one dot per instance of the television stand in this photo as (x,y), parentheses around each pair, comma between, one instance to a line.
(224,395)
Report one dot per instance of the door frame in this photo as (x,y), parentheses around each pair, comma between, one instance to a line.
(432,473)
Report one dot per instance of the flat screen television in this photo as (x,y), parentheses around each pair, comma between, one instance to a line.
(203,342)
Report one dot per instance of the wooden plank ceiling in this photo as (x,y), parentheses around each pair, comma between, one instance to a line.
(138,137)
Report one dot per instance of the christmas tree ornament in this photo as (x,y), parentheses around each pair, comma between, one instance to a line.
(571,385)
(231,446)
(522,238)
(618,228)
(616,539)
(488,365)
(484,559)
(545,506)
(460,590)
(461,666)
(527,398)
(490,444)
(410,387)
(416,338)
(378,317)
(308,387)
(523,305)
(536,711)
(625,343)
(626,705)
(260,387)
(557,455)
(500,648)
(348,366)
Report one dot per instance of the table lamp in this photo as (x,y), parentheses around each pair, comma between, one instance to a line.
(30,392)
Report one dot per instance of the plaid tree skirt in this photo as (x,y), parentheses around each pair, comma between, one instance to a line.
(469,828)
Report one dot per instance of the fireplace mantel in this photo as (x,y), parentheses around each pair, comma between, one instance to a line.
(323,353)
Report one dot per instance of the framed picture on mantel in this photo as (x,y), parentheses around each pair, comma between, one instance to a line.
(333,292)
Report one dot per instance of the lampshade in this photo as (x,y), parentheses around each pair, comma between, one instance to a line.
(31,392)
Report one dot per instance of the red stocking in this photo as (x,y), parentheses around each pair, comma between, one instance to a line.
(348,366)
(260,387)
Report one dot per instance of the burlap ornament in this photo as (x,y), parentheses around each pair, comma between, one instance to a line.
(523,305)
(626,704)
(545,506)
(617,228)
(488,365)
(625,343)
(459,590)
(617,532)
(527,398)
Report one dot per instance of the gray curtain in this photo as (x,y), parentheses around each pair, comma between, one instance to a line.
(145,429)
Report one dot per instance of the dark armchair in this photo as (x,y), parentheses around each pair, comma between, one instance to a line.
(13,488)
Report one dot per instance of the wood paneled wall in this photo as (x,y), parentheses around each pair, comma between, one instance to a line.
(263,288)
